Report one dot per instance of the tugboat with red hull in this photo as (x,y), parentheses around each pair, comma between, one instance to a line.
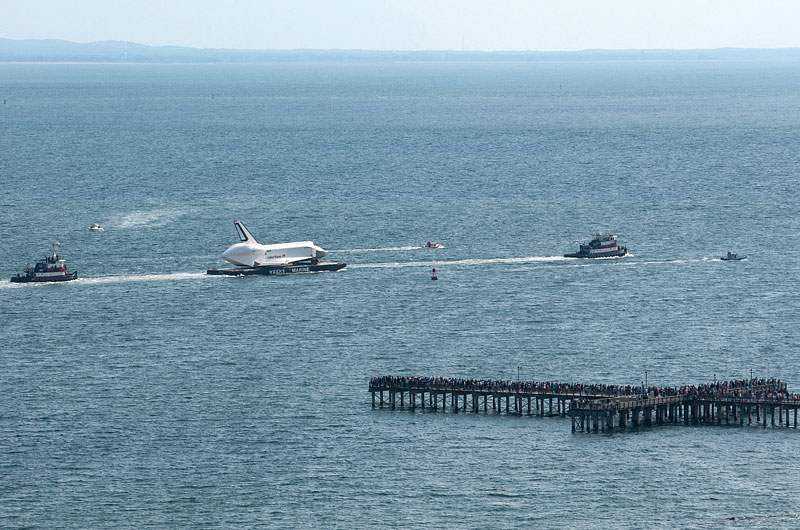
(50,269)
(602,246)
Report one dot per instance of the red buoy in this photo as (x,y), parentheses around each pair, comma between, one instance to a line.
(434,277)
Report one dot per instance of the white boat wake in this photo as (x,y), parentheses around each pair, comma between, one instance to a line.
(149,218)
(375,249)
(142,278)
(123,278)
(668,261)
(471,261)
(178,276)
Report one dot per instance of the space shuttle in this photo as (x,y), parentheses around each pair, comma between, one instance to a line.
(250,253)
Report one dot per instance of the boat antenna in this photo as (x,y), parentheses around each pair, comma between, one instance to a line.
(55,248)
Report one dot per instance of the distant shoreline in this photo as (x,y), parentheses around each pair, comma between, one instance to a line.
(115,52)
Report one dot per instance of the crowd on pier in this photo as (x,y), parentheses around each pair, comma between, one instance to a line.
(749,388)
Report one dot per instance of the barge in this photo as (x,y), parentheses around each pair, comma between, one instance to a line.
(278,270)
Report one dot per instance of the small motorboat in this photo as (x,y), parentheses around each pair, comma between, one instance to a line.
(733,256)
(432,244)
(96,228)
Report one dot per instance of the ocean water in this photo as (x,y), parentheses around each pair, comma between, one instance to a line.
(150,395)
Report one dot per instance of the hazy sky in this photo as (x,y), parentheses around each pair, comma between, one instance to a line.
(411,24)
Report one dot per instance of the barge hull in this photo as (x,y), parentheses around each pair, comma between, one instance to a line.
(277,271)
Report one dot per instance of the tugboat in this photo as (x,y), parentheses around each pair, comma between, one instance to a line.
(50,269)
(602,246)
(733,256)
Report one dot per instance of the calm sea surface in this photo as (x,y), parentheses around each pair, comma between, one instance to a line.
(149,395)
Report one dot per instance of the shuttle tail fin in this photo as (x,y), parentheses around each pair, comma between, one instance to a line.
(244,235)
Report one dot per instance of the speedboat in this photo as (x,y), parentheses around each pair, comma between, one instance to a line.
(602,246)
(50,269)
(96,228)
(733,256)
(432,244)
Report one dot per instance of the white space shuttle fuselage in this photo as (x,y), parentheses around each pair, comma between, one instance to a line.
(250,253)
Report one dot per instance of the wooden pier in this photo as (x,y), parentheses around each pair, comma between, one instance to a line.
(597,408)
(606,414)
